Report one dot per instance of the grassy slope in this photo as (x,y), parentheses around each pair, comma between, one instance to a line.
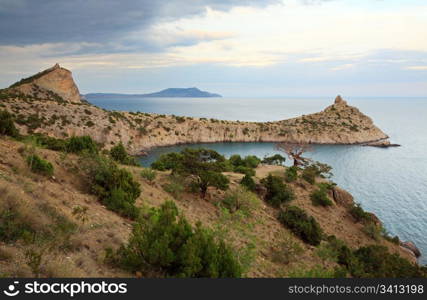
(84,251)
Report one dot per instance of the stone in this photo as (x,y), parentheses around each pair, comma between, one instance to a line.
(411,246)
(55,79)
(342,197)
(60,81)
(340,101)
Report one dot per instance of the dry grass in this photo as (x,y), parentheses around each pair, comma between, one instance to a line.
(258,236)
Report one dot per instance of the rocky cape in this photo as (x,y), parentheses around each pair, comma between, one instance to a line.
(50,103)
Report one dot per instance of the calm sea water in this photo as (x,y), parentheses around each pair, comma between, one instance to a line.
(391,182)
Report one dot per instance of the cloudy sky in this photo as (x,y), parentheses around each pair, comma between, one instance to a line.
(239,48)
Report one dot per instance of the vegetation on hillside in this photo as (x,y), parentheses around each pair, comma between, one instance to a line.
(7,125)
(277,191)
(203,166)
(164,244)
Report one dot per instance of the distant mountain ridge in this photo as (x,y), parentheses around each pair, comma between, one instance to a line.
(166,93)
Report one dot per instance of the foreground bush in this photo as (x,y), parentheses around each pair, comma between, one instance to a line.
(148,174)
(15,221)
(204,166)
(75,144)
(276,159)
(302,225)
(277,191)
(33,222)
(316,169)
(39,165)
(291,174)
(248,182)
(78,144)
(115,187)
(7,124)
(119,154)
(240,200)
(250,161)
(50,142)
(359,214)
(165,244)
(375,261)
(320,197)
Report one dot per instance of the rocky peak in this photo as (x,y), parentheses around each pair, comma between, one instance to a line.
(55,79)
(60,81)
(340,101)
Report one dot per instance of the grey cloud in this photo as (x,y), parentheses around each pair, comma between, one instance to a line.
(24,22)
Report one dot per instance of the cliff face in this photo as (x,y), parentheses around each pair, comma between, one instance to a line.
(57,80)
(339,123)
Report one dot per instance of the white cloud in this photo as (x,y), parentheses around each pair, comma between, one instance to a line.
(343,67)
(417,68)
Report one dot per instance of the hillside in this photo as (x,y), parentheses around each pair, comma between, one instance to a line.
(166,93)
(46,105)
(83,228)
(75,204)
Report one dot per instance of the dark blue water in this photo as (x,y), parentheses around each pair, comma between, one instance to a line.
(391,182)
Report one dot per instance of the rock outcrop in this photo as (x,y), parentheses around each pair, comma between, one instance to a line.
(411,247)
(55,80)
(339,123)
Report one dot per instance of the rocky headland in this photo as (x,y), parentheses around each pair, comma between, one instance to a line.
(50,103)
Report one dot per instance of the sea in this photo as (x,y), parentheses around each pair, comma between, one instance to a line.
(390,182)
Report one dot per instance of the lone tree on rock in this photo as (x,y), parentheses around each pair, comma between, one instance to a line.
(295,151)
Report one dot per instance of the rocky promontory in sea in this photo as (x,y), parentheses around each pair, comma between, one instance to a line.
(50,103)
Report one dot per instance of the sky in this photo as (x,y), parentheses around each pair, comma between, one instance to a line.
(238,48)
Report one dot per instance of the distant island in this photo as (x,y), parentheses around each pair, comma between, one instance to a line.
(167,93)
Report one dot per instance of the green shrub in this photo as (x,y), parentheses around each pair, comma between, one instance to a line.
(39,165)
(115,187)
(203,165)
(13,225)
(168,161)
(276,159)
(316,169)
(122,202)
(291,174)
(287,250)
(309,175)
(373,231)
(175,188)
(149,174)
(119,154)
(165,243)
(78,144)
(32,222)
(320,197)
(248,182)
(50,142)
(277,191)
(375,261)
(244,170)
(240,200)
(359,214)
(251,161)
(7,124)
(302,225)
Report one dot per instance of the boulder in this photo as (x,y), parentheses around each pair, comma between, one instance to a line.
(340,101)
(411,246)
(342,197)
